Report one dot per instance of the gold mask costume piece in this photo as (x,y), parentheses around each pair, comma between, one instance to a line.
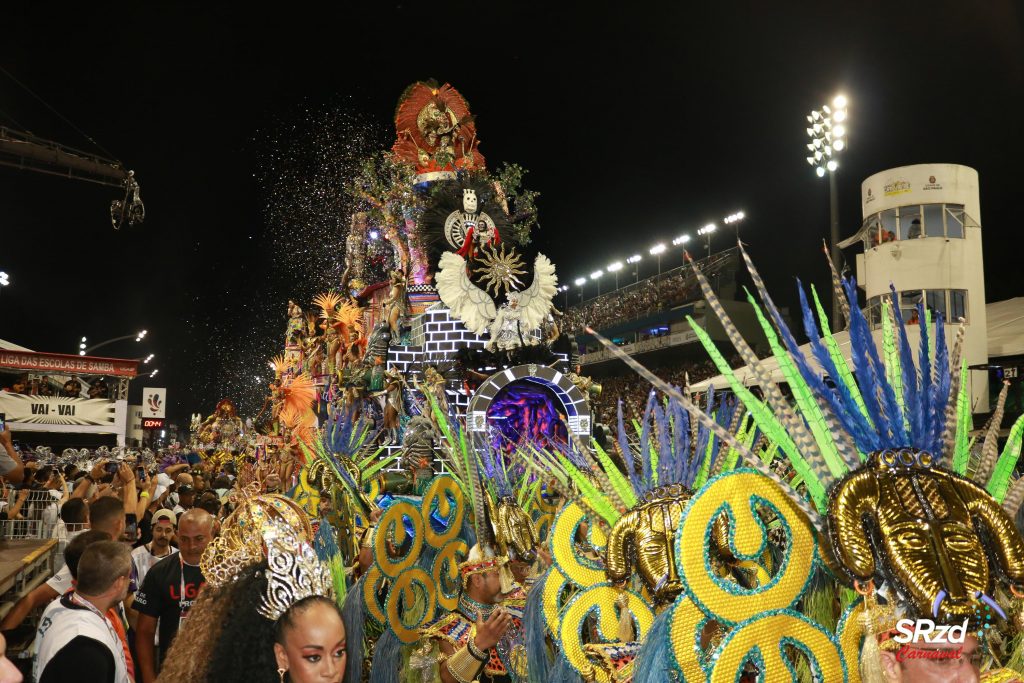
(643,540)
(514,531)
(924,525)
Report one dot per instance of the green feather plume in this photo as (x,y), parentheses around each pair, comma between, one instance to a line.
(765,418)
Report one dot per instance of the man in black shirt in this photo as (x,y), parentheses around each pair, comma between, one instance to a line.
(170,589)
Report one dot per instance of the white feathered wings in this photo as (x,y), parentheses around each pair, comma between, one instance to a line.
(475,307)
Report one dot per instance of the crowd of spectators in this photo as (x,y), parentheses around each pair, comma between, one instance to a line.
(633,391)
(46,386)
(130,528)
(646,297)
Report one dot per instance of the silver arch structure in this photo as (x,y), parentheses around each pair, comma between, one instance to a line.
(577,409)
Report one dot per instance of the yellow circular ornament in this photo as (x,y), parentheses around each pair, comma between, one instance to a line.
(736,495)
(411,603)
(599,602)
(371,587)
(451,506)
(445,573)
(764,640)
(391,528)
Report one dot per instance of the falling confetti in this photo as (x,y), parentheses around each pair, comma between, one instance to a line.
(304,160)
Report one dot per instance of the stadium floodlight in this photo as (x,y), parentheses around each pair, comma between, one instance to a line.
(735,219)
(706,233)
(596,274)
(5,279)
(580,281)
(615,268)
(830,139)
(635,258)
(682,239)
(658,250)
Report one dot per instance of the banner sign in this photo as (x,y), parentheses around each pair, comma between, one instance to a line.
(59,363)
(154,402)
(56,410)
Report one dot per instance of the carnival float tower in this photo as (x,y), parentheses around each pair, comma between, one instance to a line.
(922,234)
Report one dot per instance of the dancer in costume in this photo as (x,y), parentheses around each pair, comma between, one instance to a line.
(464,644)
(394,403)
(267,613)
(396,306)
(355,250)
(629,512)
(916,523)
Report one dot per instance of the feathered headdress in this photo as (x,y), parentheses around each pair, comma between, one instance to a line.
(884,445)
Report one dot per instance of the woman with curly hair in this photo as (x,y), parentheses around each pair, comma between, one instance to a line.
(272,622)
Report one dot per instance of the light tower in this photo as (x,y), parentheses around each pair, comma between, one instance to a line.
(827,132)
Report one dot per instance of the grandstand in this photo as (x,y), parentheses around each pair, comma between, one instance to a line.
(647,319)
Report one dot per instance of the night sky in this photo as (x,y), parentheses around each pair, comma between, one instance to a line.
(636,122)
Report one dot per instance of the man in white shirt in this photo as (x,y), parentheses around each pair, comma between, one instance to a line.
(74,633)
(145,556)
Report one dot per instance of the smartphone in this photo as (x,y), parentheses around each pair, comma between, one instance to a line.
(3,421)
(141,472)
(131,527)
(111,467)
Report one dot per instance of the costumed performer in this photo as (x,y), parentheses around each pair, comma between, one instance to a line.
(267,613)
(919,525)
(462,644)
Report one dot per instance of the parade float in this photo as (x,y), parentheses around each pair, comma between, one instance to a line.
(441,433)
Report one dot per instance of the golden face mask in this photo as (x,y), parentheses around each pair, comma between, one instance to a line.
(644,540)
(924,533)
(514,531)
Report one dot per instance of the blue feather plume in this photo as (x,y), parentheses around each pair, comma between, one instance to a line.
(880,397)
(845,408)
(651,664)
(645,440)
(627,453)
(535,633)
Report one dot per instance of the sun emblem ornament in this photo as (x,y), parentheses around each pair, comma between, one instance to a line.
(499,269)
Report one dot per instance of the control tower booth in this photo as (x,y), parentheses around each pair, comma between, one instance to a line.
(922,233)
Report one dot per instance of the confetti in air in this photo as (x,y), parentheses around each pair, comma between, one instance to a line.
(304,160)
